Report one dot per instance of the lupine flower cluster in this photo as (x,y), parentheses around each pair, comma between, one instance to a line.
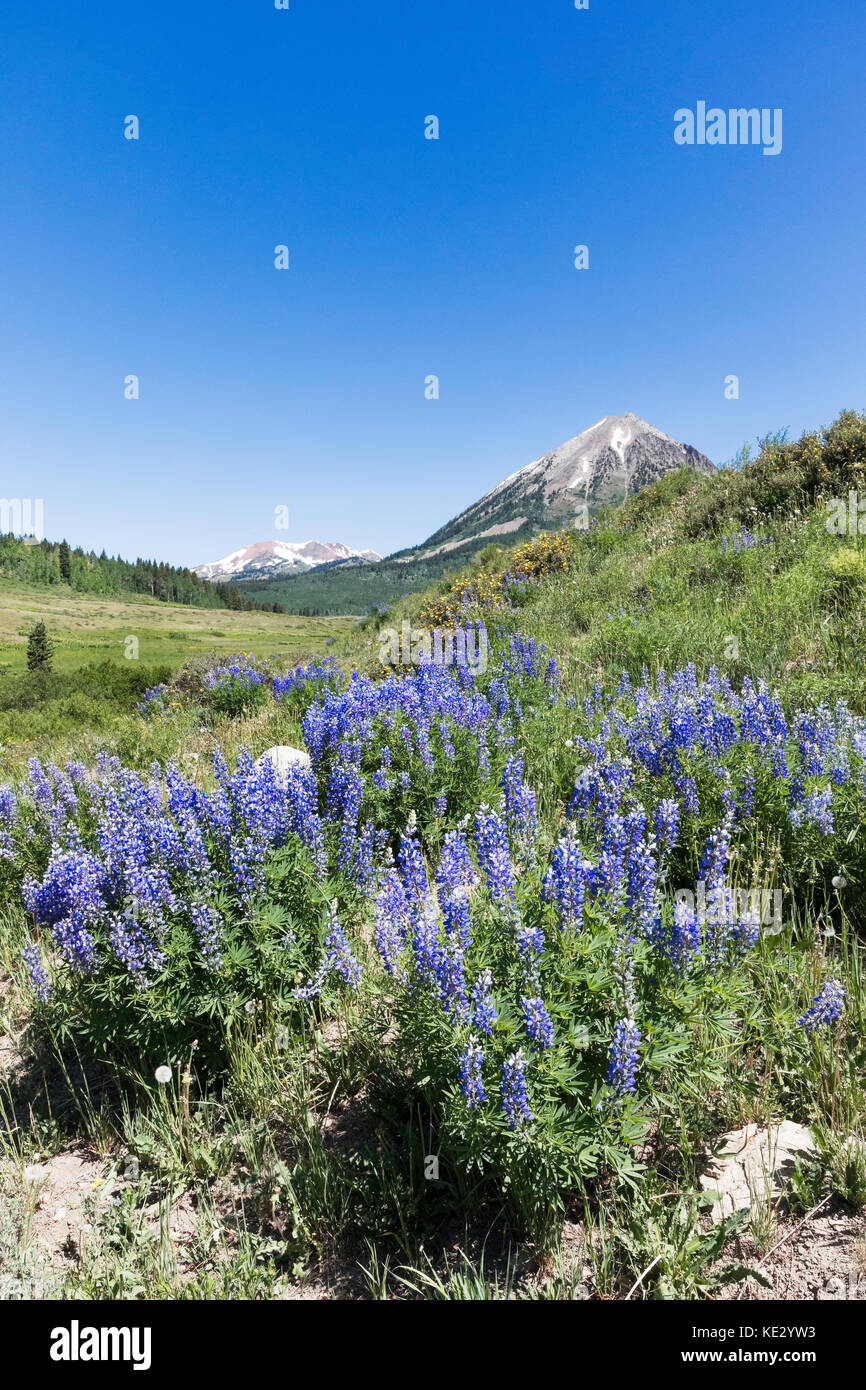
(491,844)
(309,681)
(623,1060)
(158,851)
(337,959)
(519,809)
(152,699)
(238,685)
(343,725)
(515,581)
(470,1077)
(240,670)
(743,540)
(566,880)
(537,1021)
(8,813)
(679,726)
(825,1007)
(665,765)
(36,970)
(515,1101)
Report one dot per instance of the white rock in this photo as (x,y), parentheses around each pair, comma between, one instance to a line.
(753,1165)
(283,757)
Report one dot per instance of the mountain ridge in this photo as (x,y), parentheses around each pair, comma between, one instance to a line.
(273,559)
(602,465)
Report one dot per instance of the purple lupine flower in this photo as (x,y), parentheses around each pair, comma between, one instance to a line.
(8,806)
(815,809)
(471,1083)
(338,952)
(483,1009)
(455,868)
(411,866)
(345,793)
(512,1086)
(136,943)
(519,804)
(426,949)
(714,859)
(35,969)
(491,842)
(566,880)
(746,801)
(744,933)
(623,1057)
(337,958)
(71,901)
(667,823)
(40,787)
(537,1022)
(370,846)
(825,1007)
(552,676)
(687,789)
(456,918)
(641,885)
(530,943)
(452,980)
(393,917)
(209,927)
(680,941)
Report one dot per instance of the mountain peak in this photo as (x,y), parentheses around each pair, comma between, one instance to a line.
(269,559)
(603,464)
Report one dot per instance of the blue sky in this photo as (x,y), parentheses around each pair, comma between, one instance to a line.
(305,388)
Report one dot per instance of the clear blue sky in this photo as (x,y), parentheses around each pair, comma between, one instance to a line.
(409,257)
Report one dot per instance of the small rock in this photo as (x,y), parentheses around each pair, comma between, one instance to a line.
(283,757)
(753,1165)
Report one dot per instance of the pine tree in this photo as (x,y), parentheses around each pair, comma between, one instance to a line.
(65,562)
(40,648)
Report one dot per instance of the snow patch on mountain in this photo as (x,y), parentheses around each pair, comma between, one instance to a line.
(266,559)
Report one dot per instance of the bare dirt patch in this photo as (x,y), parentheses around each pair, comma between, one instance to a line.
(822,1258)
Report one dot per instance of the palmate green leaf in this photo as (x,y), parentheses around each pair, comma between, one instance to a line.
(239,954)
(661,1053)
(275,916)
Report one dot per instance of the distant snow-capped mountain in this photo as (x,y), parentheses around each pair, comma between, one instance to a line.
(271,559)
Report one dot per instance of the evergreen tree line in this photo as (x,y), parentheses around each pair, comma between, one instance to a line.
(52,562)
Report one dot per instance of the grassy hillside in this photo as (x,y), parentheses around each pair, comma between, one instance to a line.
(491,1065)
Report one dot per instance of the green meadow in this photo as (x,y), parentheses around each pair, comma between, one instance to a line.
(107,651)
